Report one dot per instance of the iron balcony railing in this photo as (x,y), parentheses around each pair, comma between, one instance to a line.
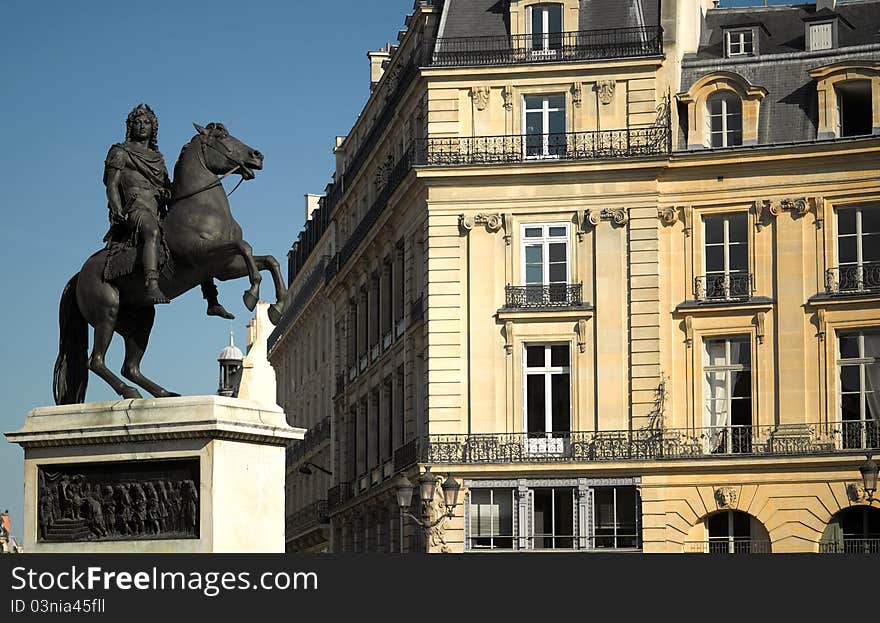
(850,546)
(315,514)
(513,148)
(314,436)
(649,444)
(540,542)
(861,278)
(406,455)
(339,494)
(724,287)
(543,296)
(726,545)
(583,45)
(417,309)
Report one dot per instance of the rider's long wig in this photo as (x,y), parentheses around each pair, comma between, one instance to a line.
(145,111)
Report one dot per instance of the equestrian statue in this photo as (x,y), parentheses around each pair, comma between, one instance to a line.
(165,238)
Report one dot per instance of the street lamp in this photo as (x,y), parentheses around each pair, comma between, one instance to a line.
(305,469)
(869,470)
(427,487)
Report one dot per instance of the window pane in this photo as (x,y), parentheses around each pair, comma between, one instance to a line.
(872,343)
(846,221)
(849,345)
(734,138)
(533,232)
(557,252)
(534,102)
(557,231)
(870,220)
(554,18)
(537,20)
(871,250)
(718,526)
(716,352)
(715,106)
(534,275)
(626,517)
(738,228)
(716,123)
(534,254)
(559,387)
(714,229)
(739,258)
(714,259)
(849,379)
(740,415)
(535,356)
(534,123)
(535,404)
(740,351)
(559,356)
(558,273)
(741,384)
(849,407)
(543,517)
(504,503)
(847,250)
(564,518)
(603,497)
(557,122)
(556,101)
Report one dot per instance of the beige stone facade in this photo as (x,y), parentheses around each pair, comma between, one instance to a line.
(542,278)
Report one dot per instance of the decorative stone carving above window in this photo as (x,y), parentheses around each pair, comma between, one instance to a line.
(507,97)
(605,89)
(695,100)
(492,222)
(480,95)
(768,209)
(577,94)
(726,497)
(855,491)
(618,217)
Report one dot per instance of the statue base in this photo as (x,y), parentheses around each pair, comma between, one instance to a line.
(195,474)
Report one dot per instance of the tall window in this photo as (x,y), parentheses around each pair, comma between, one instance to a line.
(724,117)
(399,283)
(545,262)
(491,519)
(617,517)
(547,396)
(554,518)
(546,26)
(544,125)
(859,363)
(739,42)
(858,249)
(855,530)
(727,394)
(854,108)
(726,256)
(730,532)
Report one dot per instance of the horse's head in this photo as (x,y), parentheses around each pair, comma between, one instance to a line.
(224,152)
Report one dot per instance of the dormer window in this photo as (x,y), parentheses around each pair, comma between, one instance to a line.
(546,27)
(821,36)
(739,42)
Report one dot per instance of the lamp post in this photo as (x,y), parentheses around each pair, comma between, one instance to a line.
(427,484)
(305,469)
(869,470)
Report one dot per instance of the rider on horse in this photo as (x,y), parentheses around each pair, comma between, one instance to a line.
(138,191)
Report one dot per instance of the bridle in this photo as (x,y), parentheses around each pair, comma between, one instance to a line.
(218,182)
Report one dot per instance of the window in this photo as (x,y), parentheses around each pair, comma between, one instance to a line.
(727,395)
(739,42)
(385,302)
(491,519)
(855,530)
(547,398)
(617,518)
(544,126)
(859,363)
(821,36)
(730,532)
(554,518)
(726,258)
(545,262)
(399,283)
(724,119)
(858,249)
(854,108)
(546,28)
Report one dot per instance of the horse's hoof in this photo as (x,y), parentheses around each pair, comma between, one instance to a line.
(130,393)
(275,312)
(250,300)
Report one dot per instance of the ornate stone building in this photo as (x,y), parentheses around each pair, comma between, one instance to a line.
(610,264)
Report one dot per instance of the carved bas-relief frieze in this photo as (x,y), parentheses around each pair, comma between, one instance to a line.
(126,501)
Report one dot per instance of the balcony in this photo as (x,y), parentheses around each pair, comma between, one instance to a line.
(308,517)
(338,495)
(735,545)
(861,278)
(650,444)
(417,309)
(549,296)
(850,546)
(719,288)
(514,148)
(584,45)
(314,436)
(406,455)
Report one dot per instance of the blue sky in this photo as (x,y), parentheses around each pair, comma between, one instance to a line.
(284,77)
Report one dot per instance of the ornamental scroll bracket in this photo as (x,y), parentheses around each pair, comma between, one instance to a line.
(492,222)
(507,97)
(668,215)
(508,337)
(577,93)
(605,89)
(820,320)
(768,209)
(689,331)
(582,335)
(618,217)
(480,95)
(688,213)
(759,327)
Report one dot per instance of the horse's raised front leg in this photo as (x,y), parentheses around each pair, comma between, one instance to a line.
(251,295)
(269,263)
(135,326)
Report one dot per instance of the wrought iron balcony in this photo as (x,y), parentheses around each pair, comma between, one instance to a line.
(513,148)
(406,455)
(735,545)
(724,287)
(417,309)
(583,45)
(861,278)
(552,295)
(338,495)
(315,514)
(650,444)
(850,546)
(314,436)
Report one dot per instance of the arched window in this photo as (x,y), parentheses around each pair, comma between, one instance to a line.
(724,119)
(731,532)
(854,530)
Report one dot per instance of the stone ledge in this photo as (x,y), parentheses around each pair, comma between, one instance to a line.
(127,421)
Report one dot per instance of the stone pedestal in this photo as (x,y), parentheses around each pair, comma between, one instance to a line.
(186,475)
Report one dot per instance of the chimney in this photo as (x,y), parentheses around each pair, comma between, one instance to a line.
(825,4)
(311,204)
(377,59)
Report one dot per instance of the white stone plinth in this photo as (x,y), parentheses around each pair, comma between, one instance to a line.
(239,445)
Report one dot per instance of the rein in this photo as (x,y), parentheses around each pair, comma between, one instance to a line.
(219,180)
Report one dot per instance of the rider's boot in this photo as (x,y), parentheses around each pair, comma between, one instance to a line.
(156,296)
(209,293)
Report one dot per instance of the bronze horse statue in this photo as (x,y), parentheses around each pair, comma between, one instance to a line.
(204,243)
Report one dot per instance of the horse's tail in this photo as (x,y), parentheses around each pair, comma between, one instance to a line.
(71,377)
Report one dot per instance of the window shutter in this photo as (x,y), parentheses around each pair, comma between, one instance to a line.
(467,520)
